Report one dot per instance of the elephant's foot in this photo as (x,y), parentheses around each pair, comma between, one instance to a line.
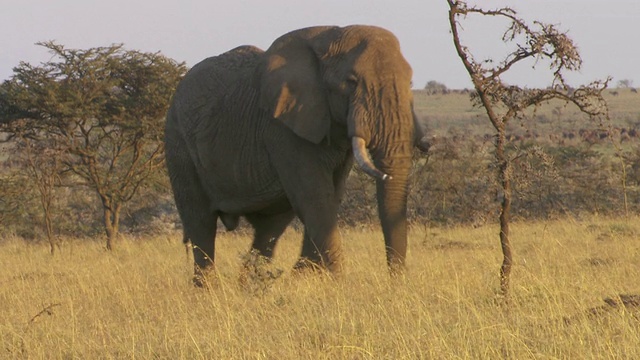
(397,271)
(199,281)
(204,277)
(306,265)
(323,255)
(396,263)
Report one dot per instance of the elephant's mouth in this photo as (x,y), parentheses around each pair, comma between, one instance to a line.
(363,159)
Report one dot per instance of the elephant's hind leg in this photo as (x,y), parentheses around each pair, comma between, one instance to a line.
(203,241)
(192,202)
(268,229)
(200,227)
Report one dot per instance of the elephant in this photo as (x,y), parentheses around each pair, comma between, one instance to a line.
(271,135)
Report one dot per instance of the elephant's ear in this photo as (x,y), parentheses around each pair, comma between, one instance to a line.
(291,88)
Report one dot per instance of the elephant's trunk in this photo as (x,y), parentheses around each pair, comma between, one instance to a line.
(392,210)
(392,199)
(363,159)
(387,125)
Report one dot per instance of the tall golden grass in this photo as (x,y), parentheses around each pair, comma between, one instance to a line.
(138,302)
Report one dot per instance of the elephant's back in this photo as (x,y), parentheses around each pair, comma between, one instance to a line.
(217,73)
(226,68)
(205,86)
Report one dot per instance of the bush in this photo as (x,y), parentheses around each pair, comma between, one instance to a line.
(453,183)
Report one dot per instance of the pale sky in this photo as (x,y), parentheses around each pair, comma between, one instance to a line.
(606,31)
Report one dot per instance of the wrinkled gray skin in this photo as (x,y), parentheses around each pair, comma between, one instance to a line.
(272,135)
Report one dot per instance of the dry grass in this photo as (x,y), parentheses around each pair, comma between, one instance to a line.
(138,302)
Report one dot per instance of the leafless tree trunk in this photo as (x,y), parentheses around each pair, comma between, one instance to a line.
(504,175)
(504,166)
(111,218)
(43,168)
(503,102)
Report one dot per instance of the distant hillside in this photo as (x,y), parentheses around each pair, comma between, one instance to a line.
(453,111)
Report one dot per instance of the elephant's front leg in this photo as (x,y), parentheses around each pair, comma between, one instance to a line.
(312,195)
(322,243)
(311,255)
(316,204)
(307,174)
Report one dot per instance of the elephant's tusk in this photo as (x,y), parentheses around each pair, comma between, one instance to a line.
(363,159)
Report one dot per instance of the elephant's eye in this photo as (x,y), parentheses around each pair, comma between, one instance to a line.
(351,83)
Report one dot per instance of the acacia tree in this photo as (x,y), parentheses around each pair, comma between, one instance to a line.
(504,103)
(103,108)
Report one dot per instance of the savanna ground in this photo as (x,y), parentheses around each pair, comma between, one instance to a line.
(137,301)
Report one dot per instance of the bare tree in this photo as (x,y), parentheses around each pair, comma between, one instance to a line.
(43,166)
(36,160)
(503,103)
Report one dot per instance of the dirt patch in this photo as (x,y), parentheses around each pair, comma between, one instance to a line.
(599,262)
(625,302)
(450,245)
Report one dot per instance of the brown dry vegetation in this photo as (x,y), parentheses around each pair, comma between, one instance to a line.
(137,301)
(453,184)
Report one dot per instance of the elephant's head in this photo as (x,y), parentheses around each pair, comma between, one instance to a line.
(355,76)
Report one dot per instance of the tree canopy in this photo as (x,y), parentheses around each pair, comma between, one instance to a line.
(101,110)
